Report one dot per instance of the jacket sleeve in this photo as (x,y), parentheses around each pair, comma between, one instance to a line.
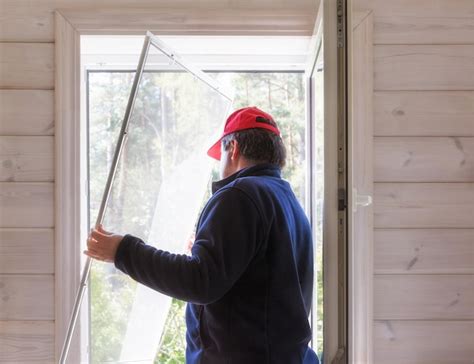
(228,237)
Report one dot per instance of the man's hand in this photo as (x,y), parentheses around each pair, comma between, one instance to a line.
(102,245)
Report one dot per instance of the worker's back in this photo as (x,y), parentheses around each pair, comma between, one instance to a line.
(263,316)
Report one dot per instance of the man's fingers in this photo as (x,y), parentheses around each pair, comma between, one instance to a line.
(91,242)
(93,250)
(97,235)
(92,255)
(102,230)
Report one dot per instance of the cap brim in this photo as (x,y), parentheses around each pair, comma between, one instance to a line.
(215,151)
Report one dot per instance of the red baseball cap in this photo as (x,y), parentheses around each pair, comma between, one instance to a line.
(245,118)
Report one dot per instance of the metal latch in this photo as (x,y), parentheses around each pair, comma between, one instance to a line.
(342,199)
(360,200)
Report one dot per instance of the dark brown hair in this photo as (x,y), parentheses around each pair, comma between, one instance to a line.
(258,145)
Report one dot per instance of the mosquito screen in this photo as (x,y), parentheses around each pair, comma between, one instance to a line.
(158,191)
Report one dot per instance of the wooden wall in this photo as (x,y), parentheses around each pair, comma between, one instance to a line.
(27,297)
(26,185)
(424,181)
(423,169)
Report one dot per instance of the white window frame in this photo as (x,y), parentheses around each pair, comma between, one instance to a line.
(276,63)
(70,133)
(70,176)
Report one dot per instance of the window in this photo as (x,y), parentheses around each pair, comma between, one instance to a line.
(279,90)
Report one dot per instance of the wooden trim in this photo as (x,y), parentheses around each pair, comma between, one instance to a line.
(360,270)
(68,179)
(191,21)
(33,21)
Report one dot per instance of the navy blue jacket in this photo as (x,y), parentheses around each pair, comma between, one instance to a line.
(250,277)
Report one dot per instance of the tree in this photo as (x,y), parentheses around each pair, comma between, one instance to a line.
(162,132)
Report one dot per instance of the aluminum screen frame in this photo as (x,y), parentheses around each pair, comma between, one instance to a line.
(150,40)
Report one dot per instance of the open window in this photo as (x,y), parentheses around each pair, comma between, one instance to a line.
(114,309)
(157,188)
(266,71)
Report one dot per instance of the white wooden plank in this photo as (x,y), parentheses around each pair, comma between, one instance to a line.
(424,67)
(429,113)
(422,21)
(428,8)
(424,205)
(24,204)
(420,29)
(424,159)
(424,297)
(24,342)
(26,112)
(25,20)
(26,158)
(27,297)
(27,65)
(431,251)
(424,342)
(26,251)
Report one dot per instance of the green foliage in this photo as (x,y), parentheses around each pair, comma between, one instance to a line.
(162,137)
(111,300)
(173,342)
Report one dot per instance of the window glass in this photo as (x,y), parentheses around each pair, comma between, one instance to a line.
(161,139)
(160,182)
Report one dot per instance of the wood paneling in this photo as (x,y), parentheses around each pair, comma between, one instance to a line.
(27,65)
(424,297)
(27,251)
(424,74)
(424,113)
(25,20)
(421,21)
(424,159)
(24,204)
(403,251)
(424,205)
(26,297)
(393,29)
(26,158)
(424,67)
(422,8)
(26,112)
(424,342)
(26,342)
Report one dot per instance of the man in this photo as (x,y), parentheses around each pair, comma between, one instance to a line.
(250,276)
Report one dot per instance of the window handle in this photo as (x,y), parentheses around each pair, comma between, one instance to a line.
(360,200)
